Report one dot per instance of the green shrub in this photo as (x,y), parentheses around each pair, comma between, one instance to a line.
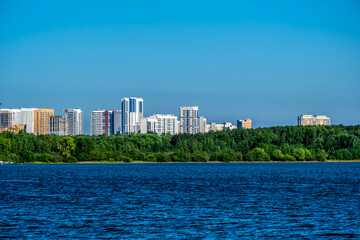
(44,157)
(288,157)
(259,154)
(343,154)
(70,159)
(299,154)
(277,155)
(320,156)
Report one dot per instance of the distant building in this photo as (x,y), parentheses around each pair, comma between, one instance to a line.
(160,124)
(229,126)
(132,111)
(16,116)
(16,128)
(101,122)
(42,121)
(74,119)
(244,123)
(58,125)
(10,117)
(216,127)
(5,118)
(220,126)
(117,122)
(189,120)
(313,120)
(202,125)
(27,118)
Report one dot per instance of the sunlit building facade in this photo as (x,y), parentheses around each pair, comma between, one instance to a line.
(27,118)
(202,125)
(189,120)
(74,118)
(132,111)
(42,121)
(313,120)
(244,123)
(162,124)
(101,122)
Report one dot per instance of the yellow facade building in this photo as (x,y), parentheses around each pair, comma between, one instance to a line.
(313,120)
(244,123)
(42,121)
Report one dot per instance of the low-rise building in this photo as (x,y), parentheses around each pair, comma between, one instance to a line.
(160,124)
(244,123)
(220,127)
(313,120)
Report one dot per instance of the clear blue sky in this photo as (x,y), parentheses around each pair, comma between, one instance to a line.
(267,60)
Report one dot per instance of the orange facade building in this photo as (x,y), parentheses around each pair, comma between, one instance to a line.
(244,123)
(42,121)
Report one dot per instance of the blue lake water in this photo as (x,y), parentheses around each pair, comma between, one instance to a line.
(180,201)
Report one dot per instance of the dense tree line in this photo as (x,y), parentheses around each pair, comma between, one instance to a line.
(289,143)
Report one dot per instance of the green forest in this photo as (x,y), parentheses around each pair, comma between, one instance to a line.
(288,143)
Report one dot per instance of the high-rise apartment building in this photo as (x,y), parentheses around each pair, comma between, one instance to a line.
(160,124)
(244,123)
(10,117)
(74,118)
(5,118)
(16,116)
(101,122)
(58,125)
(313,120)
(202,125)
(189,120)
(27,118)
(132,111)
(42,121)
(117,122)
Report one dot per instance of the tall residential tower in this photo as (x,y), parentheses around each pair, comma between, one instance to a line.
(42,121)
(132,111)
(74,118)
(101,122)
(189,120)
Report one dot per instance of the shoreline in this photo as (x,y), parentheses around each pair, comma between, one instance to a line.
(137,162)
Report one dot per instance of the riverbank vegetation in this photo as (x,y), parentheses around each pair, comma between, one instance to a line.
(289,143)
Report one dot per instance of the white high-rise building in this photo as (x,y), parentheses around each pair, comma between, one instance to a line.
(177,129)
(202,125)
(27,118)
(189,120)
(74,118)
(101,122)
(117,122)
(160,124)
(16,116)
(132,111)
